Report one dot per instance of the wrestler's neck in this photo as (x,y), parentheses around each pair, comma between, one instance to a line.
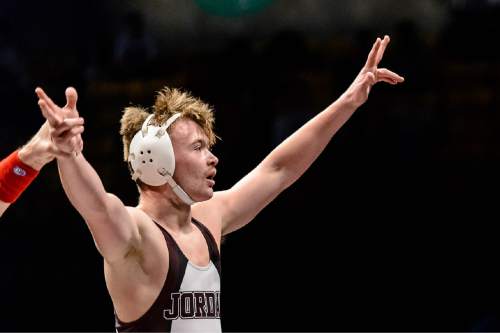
(166,208)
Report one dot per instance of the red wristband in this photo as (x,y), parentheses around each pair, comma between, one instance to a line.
(15,176)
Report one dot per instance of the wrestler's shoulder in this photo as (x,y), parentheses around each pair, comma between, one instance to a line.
(140,217)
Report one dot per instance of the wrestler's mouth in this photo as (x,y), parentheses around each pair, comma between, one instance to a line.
(210,178)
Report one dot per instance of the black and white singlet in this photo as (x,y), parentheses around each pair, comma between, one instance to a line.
(190,298)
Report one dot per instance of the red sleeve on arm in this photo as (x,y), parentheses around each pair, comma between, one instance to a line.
(15,176)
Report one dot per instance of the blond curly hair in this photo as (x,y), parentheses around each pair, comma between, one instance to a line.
(169,101)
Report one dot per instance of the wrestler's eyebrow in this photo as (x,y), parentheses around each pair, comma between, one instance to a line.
(200,141)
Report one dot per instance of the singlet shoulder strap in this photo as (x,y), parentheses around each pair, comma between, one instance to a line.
(211,243)
(177,262)
(165,233)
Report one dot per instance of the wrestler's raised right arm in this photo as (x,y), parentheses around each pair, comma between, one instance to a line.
(113,228)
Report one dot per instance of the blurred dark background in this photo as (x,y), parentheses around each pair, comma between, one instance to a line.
(392,228)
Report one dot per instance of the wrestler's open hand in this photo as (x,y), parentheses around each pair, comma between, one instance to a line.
(65,125)
(370,74)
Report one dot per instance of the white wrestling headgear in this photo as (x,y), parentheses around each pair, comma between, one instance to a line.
(151,157)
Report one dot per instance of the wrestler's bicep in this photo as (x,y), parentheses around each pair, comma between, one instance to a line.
(115,233)
(241,203)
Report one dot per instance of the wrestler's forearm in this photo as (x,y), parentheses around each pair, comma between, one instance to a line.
(83,187)
(294,155)
(112,228)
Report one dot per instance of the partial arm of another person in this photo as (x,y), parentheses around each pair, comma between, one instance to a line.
(110,222)
(289,160)
(3,207)
(20,168)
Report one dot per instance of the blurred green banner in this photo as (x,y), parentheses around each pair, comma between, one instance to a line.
(232,8)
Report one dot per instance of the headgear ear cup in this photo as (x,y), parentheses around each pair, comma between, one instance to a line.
(152,159)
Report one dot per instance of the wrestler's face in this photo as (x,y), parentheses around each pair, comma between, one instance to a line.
(194,162)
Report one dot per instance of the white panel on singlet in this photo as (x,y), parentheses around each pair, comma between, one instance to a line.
(199,279)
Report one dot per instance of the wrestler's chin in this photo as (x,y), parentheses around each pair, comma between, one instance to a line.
(207,194)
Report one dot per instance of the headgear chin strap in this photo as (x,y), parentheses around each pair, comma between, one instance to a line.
(151,157)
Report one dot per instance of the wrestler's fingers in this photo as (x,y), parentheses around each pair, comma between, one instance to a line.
(71,97)
(80,144)
(67,124)
(69,134)
(43,96)
(381,50)
(48,113)
(387,80)
(385,73)
(372,56)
